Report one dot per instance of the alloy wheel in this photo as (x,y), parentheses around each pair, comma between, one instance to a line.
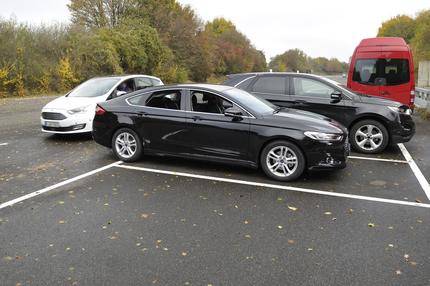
(282,161)
(369,137)
(125,145)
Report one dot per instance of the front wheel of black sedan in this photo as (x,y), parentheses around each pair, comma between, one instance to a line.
(369,137)
(282,161)
(126,145)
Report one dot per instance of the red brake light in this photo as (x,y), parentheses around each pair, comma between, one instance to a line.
(100,110)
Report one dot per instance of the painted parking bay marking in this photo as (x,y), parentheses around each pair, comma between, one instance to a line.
(56,186)
(417,172)
(4,144)
(273,186)
(378,159)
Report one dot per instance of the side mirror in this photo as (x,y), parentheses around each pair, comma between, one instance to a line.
(336,97)
(119,93)
(233,112)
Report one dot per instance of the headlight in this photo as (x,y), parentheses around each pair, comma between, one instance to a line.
(81,109)
(401,109)
(321,136)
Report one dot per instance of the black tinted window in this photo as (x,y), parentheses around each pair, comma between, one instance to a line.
(381,71)
(208,102)
(168,99)
(270,84)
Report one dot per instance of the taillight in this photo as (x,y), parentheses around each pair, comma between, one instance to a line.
(100,110)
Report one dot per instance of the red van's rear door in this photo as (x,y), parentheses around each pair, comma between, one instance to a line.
(396,67)
(364,72)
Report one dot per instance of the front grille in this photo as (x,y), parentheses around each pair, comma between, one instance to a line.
(53,116)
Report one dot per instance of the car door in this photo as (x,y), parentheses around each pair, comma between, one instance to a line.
(272,87)
(211,133)
(160,121)
(313,95)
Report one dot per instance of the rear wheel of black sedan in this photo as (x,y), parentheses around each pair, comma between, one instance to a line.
(282,161)
(369,136)
(126,145)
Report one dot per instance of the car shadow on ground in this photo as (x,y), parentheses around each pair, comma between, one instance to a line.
(229,171)
(70,137)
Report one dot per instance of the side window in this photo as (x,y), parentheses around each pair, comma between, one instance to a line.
(123,88)
(167,99)
(208,103)
(156,82)
(310,87)
(270,84)
(142,83)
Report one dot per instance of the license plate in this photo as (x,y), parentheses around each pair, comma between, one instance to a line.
(51,124)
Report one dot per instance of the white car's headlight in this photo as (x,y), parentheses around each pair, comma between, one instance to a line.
(321,136)
(77,110)
(401,109)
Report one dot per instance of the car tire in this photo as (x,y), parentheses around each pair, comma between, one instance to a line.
(369,137)
(127,145)
(277,161)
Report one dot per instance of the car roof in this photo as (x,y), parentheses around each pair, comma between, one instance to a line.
(276,73)
(123,77)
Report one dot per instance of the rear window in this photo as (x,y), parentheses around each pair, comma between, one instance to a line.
(381,71)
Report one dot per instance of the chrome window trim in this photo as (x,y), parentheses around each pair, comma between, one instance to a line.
(242,81)
(234,102)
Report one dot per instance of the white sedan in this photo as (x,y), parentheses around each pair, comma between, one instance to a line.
(74,112)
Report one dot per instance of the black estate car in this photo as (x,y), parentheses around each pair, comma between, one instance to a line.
(223,124)
(373,122)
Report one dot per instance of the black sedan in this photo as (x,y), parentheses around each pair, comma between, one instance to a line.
(221,124)
(373,122)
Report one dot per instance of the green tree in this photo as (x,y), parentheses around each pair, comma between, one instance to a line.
(100,13)
(399,26)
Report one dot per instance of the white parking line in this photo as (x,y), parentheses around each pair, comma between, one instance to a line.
(50,188)
(378,159)
(417,172)
(272,186)
(4,144)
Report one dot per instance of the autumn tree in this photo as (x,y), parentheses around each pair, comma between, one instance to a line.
(399,26)
(100,13)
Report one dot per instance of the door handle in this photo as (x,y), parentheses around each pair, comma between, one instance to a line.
(385,93)
(142,113)
(195,118)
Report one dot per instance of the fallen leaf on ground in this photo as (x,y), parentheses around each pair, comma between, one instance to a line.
(370,224)
(280,227)
(144,215)
(292,208)
(398,272)
(327,213)
(291,241)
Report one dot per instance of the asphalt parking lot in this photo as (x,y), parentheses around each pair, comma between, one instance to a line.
(71,215)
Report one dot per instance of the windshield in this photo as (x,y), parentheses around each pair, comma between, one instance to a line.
(251,102)
(94,87)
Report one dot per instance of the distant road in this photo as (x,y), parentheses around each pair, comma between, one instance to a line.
(337,78)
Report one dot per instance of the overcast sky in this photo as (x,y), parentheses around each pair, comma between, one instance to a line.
(330,28)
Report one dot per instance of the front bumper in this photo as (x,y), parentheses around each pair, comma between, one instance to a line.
(402,130)
(323,156)
(71,124)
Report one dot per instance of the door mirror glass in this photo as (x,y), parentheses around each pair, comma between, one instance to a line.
(233,112)
(336,97)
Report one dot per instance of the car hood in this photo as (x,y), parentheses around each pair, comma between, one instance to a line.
(67,103)
(309,121)
(378,101)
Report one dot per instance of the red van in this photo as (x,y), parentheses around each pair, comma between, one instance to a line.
(383,67)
